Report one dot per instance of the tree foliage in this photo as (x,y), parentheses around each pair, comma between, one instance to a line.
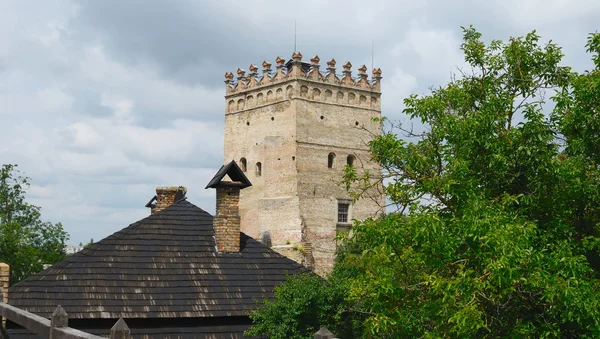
(26,242)
(497,228)
(302,305)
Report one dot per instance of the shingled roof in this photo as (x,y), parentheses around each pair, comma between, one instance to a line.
(163,266)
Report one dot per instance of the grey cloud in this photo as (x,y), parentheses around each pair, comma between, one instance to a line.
(88,102)
(181,40)
(197,42)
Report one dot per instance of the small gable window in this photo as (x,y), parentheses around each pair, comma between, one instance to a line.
(258,169)
(243,164)
(350,160)
(330,160)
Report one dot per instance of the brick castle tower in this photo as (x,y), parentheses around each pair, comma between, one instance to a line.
(292,132)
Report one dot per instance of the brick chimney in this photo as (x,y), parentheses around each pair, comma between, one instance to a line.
(165,197)
(226,222)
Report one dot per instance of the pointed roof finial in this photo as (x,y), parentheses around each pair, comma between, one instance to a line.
(323,333)
(297,56)
(331,63)
(59,317)
(347,66)
(120,329)
(315,60)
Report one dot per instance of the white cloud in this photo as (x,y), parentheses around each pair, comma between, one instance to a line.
(122,108)
(36,191)
(399,86)
(145,83)
(437,50)
(536,13)
(83,136)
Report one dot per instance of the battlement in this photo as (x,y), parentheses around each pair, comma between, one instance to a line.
(324,87)
(296,69)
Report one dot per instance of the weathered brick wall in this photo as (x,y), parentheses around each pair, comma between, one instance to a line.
(343,128)
(4,281)
(253,135)
(226,222)
(4,278)
(165,197)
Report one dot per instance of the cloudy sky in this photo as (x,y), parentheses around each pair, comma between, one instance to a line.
(102,101)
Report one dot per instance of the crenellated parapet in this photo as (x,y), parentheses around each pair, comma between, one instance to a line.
(296,69)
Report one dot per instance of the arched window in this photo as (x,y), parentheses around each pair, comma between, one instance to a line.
(258,169)
(350,160)
(330,160)
(243,164)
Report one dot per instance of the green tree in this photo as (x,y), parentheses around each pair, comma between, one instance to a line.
(301,306)
(26,242)
(501,234)
(578,108)
(497,228)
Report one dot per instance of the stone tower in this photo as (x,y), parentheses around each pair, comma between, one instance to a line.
(292,132)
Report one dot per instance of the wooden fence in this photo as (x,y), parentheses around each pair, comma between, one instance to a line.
(55,328)
(58,325)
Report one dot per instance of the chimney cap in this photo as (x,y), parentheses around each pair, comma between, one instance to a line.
(171,189)
(179,191)
(234,172)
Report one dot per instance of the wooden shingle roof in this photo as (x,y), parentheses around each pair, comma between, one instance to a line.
(163,266)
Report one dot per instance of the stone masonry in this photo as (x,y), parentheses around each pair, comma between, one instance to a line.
(226,222)
(293,131)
